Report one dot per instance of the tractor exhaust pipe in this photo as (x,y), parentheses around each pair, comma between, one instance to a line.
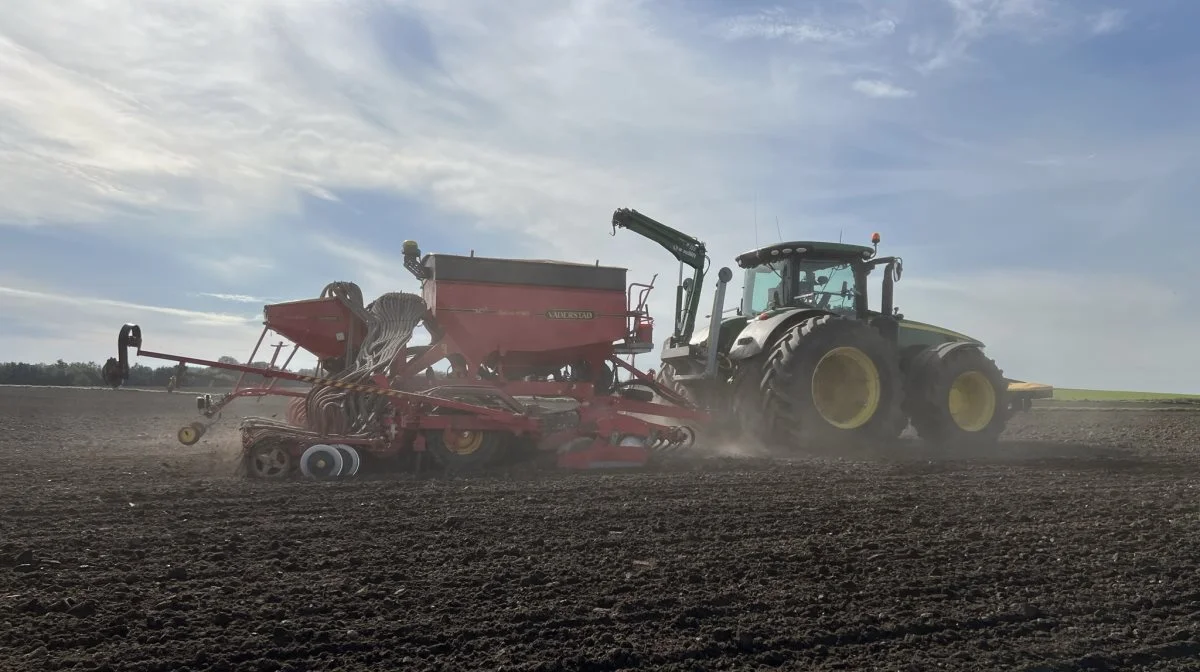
(714,322)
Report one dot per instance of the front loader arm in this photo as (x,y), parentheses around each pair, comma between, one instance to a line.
(687,250)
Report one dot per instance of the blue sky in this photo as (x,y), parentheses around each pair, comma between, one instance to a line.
(1033,161)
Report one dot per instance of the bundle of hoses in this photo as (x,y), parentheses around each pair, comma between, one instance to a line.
(391,320)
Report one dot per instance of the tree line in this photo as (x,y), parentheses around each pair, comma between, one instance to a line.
(87,374)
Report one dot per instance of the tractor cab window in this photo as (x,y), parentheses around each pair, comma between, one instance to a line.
(764,287)
(825,285)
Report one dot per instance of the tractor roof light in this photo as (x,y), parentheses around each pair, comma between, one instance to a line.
(875,238)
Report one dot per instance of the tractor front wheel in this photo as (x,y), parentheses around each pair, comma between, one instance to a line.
(666,378)
(959,399)
(749,404)
(832,381)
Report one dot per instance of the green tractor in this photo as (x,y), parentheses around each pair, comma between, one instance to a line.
(806,360)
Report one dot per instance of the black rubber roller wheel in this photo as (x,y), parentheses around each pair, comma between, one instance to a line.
(831,382)
(467,451)
(958,400)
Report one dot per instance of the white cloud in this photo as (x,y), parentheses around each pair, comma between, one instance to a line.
(1109,21)
(976,20)
(374,272)
(234,268)
(76,301)
(222,116)
(1066,329)
(876,88)
(779,23)
(46,324)
(236,298)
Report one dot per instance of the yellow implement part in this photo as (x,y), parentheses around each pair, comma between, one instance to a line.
(1031,390)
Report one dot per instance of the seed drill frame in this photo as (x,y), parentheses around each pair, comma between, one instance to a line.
(515,333)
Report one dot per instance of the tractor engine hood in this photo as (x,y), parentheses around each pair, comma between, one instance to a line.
(700,335)
(948,334)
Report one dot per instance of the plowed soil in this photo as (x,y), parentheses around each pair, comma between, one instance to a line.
(1076,546)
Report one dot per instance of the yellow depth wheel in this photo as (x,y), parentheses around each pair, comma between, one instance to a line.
(189,434)
(972,401)
(462,441)
(846,388)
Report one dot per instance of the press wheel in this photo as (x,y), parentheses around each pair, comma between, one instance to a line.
(268,460)
(188,435)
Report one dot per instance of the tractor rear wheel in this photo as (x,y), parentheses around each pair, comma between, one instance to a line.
(959,399)
(832,381)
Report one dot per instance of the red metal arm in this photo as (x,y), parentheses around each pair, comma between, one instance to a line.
(327,382)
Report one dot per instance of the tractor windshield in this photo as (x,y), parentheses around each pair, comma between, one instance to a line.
(763,288)
(826,285)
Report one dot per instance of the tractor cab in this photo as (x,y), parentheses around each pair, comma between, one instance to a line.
(805,274)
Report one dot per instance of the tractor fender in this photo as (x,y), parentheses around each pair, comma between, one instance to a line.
(941,350)
(920,361)
(758,334)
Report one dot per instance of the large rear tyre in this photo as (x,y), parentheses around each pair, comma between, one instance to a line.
(467,450)
(832,382)
(959,400)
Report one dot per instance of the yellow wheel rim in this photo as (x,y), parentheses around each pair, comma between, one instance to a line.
(845,388)
(462,442)
(972,401)
(187,435)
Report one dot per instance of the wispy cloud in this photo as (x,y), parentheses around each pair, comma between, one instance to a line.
(190,316)
(375,273)
(310,102)
(1108,21)
(1041,333)
(778,23)
(877,88)
(48,324)
(236,298)
(939,47)
(235,267)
